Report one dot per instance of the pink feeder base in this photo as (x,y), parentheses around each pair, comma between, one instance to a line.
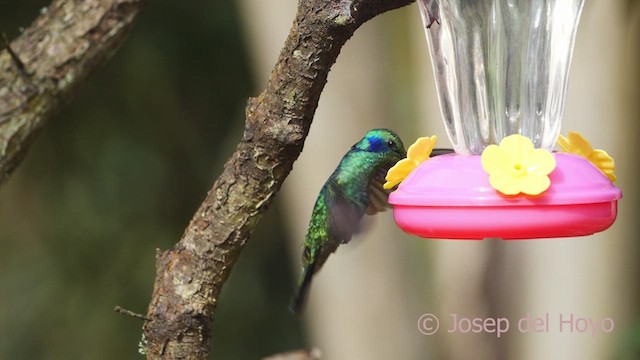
(449,197)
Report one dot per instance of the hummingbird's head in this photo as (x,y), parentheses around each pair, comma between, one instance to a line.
(382,141)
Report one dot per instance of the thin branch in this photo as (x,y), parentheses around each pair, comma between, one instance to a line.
(122,311)
(190,276)
(63,46)
(313,354)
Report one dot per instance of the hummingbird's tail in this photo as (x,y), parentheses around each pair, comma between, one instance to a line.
(298,301)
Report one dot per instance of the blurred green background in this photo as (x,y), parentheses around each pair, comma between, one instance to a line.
(119,173)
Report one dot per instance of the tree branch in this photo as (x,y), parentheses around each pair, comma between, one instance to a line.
(313,354)
(190,276)
(63,46)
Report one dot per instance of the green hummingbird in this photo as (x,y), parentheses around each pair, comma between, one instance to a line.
(354,188)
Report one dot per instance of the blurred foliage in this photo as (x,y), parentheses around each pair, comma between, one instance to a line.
(629,348)
(119,173)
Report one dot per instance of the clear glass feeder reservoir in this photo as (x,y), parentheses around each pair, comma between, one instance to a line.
(501,68)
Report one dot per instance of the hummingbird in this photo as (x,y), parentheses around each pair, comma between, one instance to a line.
(353,190)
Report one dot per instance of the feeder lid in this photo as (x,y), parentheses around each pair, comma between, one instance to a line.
(459,180)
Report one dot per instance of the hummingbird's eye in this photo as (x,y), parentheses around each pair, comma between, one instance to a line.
(391,144)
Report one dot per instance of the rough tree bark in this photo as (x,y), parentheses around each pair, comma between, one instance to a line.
(190,276)
(63,46)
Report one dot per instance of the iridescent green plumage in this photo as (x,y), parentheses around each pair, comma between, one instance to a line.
(354,188)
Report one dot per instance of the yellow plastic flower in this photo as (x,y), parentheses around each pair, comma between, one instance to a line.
(418,152)
(515,167)
(577,144)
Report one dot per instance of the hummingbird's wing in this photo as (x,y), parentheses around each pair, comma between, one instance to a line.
(378,196)
(344,218)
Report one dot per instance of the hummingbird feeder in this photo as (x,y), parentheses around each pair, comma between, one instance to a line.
(501,69)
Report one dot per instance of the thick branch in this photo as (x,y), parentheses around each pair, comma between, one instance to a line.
(60,49)
(190,276)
